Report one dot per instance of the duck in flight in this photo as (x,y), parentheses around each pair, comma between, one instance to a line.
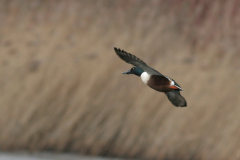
(153,78)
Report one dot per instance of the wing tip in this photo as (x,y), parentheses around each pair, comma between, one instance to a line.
(120,52)
(176,98)
(117,50)
(184,105)
(128,57)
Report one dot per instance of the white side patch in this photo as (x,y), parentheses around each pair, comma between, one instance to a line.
(172,83)
(145,77)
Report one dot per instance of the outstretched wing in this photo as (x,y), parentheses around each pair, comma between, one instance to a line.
(131,59)
(176,98)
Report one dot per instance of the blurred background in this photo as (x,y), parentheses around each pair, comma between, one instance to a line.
(61,87)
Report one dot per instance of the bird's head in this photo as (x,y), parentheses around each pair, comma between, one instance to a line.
(135,70)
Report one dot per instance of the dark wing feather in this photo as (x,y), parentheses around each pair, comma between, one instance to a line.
(176,99)
(131,59)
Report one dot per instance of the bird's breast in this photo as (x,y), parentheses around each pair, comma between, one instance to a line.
(145,77)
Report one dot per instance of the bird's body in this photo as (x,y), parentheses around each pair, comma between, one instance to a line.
(158,83)
(153,78)
(145,77)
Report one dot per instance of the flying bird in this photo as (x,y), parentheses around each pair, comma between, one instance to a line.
(153,78)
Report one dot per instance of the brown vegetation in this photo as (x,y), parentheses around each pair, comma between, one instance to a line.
(61,86)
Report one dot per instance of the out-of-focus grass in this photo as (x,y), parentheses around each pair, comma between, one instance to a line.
(61,86)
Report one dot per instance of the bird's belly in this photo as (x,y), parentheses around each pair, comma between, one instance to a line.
(159,83)
(162,88)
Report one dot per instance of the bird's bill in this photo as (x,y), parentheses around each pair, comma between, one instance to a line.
(127,72)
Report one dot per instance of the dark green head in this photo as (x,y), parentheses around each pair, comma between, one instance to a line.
(135,70)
